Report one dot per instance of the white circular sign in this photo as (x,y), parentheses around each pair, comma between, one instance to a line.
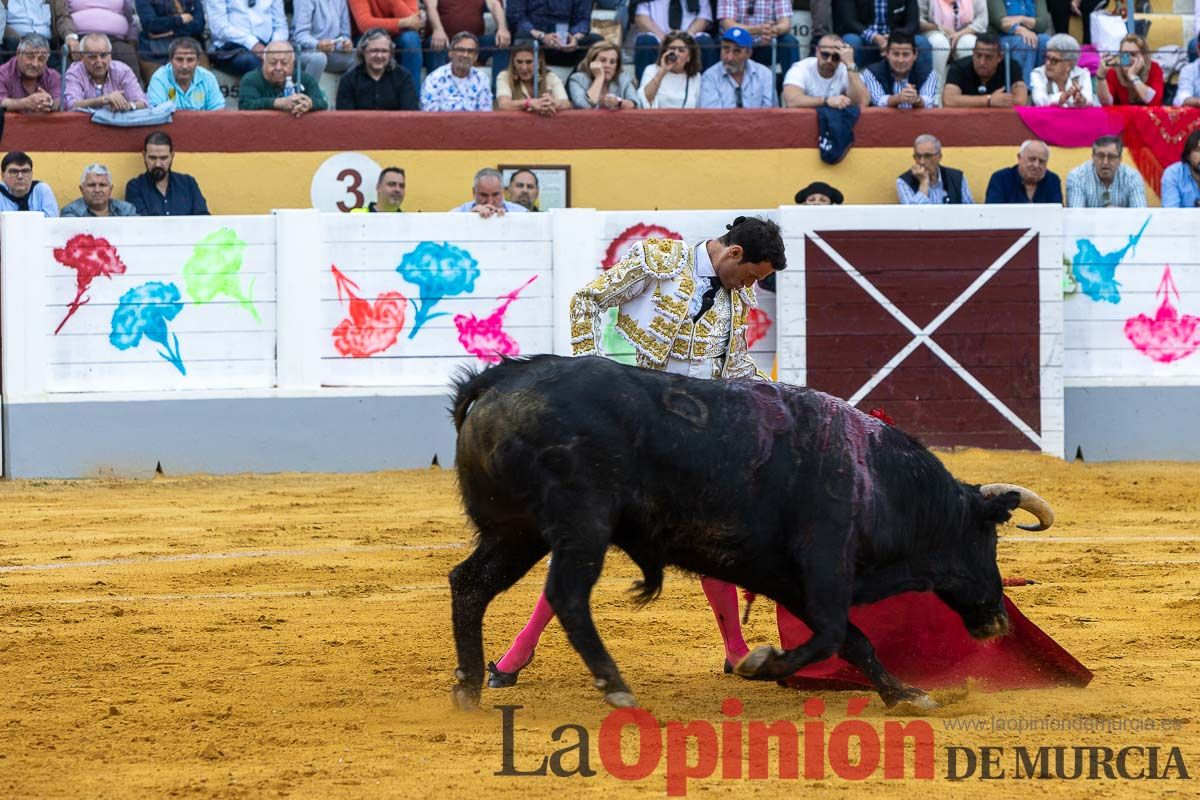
(344,182)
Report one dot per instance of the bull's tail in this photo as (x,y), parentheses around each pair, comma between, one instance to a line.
(469,386)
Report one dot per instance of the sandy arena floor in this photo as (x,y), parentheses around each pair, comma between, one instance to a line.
(289,636)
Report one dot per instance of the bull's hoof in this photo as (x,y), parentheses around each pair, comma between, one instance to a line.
(913,701)
(620,700)
(752,663)
(464,698)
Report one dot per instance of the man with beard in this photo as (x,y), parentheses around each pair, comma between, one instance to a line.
(523,189)
(26,83)
(1030,181)
(377,82)
(159,192)
(20,192)
(738,81)
(1105,182)
(1181,180)
(830,78)
(95,188)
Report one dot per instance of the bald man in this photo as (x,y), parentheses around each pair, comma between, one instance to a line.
(263,89)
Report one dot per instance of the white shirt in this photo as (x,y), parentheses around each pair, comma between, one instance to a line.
(805,75)
(1042,93)
(702,368)
(1189,83)
(677,90)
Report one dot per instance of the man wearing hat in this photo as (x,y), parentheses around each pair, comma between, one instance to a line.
(819,193)
(738,81)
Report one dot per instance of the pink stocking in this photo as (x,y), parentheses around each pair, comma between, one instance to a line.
(522,647)
(723,599)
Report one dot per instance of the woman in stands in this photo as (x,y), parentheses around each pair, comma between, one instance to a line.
(673,82)
(598,81)
(1061,81)
(514,86)
(1130,78)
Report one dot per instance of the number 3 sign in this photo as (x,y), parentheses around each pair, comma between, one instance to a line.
(344,182)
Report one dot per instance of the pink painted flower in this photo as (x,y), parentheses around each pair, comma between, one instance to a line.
(486,338)
(1168,336)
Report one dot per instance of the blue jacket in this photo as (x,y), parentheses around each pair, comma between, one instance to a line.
(1006,187)
(527,15)
(183,197)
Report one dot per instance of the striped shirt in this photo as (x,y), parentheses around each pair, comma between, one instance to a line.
(879,97)
(1084,189)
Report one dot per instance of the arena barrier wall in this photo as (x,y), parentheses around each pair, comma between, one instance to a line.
(310,341)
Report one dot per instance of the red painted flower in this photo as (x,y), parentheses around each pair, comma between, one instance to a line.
(634,233)
(370,328)
(90,257)
(758,322)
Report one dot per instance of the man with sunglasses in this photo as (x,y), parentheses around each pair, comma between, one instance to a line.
(828,79)
(1104,182)
(96,81)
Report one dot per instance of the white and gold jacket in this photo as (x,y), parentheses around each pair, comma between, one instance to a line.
(653,287)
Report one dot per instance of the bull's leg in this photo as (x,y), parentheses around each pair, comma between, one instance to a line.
(858,651)
(824,606)
(496,564)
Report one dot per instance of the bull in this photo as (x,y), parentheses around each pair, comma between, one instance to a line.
(788,492)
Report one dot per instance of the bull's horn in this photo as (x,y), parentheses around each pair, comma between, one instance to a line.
(1029,502)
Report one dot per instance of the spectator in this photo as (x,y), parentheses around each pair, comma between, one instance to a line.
(23,18)
(162,22)
(598,81)
(867,25)
(458,86)
(830,78)
(951,27)
(99,82)
(819,193)
(113,18)
(1188,91)
(20,191)
(515,86)
(523,189)
(1021,26)
(654,18)
(899,81)
(738,81)
(927,182)
(377,82)
(562,26)
(674,82)
(96,200)
(402,19)
(160,191)
(1029,181)
(1061,81)
(26,83)
(1180,181)
(770,23)
(979,80)
(321,30)
(184,82)
(241,31)
(489,196)
(1105,182)
(264,89)
(389,189)
(448,17)
(1130,78)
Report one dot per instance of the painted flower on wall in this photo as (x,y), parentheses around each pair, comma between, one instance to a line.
(758,323)
(1168,335)
(145,311)
(370,328)
(91,257)
(215,269)
(486,338)
(440,270)
(634,233)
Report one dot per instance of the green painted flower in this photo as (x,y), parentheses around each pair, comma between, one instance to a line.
(215,269)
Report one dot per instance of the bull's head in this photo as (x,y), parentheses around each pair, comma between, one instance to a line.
(976,593)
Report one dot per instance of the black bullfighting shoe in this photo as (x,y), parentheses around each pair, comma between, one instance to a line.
(728,667)
(502,680)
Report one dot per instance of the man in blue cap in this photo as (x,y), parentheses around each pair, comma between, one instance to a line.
(738,81)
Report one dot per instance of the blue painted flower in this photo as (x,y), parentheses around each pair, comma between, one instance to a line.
(440,270)
(145,311)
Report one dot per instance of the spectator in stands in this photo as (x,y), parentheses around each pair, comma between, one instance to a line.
(1061,81)
(402,19)
(74,19)
(160,191)
(1104,182)
(598,81)
(1029,181)
(523,189)
(899,81)
(389,190)
(928,182)
(1188,91)
(162,22)
(377,82)
(830,78)
(673,82)
(1180,181)
(819,193)
(184,82)
(770,23)
(738,81)
(321,31)
(1130,77)
(448,17)
(1021,26)
(488,188)
(458,86)
(241,31)
(655,18)
(23,18)
(20,191)
(263,89)
(951,27)
(26,82)
(515,86)
(99,82)
(563,27)
(867,25)
(978,81)
(96,200)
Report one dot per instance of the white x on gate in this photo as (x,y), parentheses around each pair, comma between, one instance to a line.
(924,336)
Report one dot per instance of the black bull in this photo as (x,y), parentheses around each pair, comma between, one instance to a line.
(785,491)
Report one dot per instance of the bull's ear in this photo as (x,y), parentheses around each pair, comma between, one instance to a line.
(999,509)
